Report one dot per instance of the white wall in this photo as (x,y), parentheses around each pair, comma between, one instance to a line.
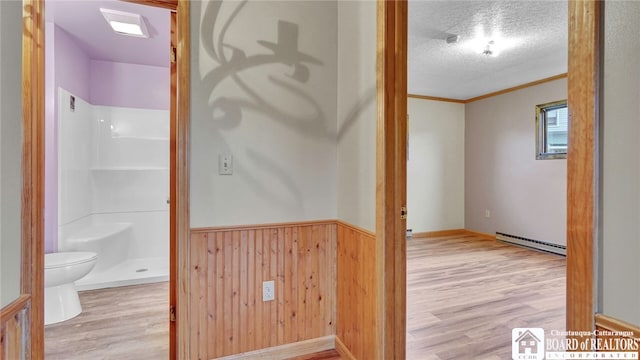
(526,197)
(357,113)
(75,140)
(266,94)
(620,240)
(435,170)
(10,149)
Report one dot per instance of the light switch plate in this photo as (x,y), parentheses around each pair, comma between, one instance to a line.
(225,164)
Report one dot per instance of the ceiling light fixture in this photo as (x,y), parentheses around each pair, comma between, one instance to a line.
(487,49)
(125,23)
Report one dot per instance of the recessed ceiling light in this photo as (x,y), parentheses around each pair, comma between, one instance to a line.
(125,23)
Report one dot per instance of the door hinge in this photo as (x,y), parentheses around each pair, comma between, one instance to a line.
(403,213)
(173,55)
(172,313)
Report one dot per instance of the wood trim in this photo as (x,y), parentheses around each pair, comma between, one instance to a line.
(583,98)
(435,98)
(343,350)
(181,177)
(481,234)
(606,323)
(165,4)
(260,226)
(356,228)
(391,179)
(32,272)
(613,324)
(287,351)
(173,189)
(14,308)
(440,233)
(516,88)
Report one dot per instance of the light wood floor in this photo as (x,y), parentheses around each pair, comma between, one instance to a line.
(128,322)
(465,294)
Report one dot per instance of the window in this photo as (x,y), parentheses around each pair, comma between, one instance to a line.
(552,127)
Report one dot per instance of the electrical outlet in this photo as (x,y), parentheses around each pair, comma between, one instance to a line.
(487,213)
(268,290)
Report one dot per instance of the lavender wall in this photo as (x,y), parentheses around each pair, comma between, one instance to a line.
(66,66)
(129,85)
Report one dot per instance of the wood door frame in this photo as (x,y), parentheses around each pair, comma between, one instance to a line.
(32,272)
(582,162)
(582,166)
(391,178)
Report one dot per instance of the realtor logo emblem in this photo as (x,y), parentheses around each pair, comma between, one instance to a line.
(527,344)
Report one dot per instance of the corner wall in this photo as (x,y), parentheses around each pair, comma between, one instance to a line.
(357,120)
(526,197)
(435,168)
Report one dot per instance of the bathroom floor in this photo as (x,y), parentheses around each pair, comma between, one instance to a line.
(129,322)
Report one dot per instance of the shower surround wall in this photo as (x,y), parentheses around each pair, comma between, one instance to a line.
(68,66)
(113,178)
(109,89)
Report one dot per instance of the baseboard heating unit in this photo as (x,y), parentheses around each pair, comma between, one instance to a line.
(534,244)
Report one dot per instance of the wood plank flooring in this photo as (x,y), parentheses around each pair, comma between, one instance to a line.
(121,323)
(465,294)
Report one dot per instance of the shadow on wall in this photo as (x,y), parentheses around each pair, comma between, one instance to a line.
(243,93)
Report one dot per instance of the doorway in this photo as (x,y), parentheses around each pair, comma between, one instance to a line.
(107,190)
(33,163)
(581,199)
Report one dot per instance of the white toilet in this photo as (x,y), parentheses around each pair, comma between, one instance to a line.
(61,270)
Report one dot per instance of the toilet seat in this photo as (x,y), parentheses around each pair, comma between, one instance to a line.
(63,259)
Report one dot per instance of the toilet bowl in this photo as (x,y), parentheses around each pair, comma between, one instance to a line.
(61,269)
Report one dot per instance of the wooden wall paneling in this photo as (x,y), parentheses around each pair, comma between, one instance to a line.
(14,326)
(228,267)
(356,289)
(583,97)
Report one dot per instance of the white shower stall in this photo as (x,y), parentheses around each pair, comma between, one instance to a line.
(113,190)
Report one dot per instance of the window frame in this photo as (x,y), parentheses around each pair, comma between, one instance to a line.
(541,131)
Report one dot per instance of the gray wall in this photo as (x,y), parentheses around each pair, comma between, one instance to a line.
(263,89)
(435,170)
(620,241)
(526,197)
(10,148)
(357,113)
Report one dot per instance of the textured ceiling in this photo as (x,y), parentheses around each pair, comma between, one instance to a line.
(534,33)
(86,25)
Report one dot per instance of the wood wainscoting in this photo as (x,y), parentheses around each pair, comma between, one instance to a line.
(607,328)
(14,328)
(228,266)
(356,293)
